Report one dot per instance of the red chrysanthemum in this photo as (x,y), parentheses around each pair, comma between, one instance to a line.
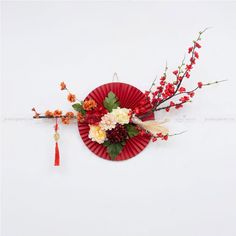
(118,134)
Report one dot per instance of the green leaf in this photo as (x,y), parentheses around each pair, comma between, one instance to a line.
(106,143)
(132,130)
(111,101)
(114,149)
(79,107)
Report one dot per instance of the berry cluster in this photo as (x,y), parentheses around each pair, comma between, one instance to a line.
(165,91)
(160,136)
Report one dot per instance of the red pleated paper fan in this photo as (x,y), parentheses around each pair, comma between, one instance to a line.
(129,97)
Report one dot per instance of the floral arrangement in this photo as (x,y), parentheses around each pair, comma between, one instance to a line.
(112,125)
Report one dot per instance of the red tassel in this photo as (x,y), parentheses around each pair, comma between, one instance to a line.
(57,156)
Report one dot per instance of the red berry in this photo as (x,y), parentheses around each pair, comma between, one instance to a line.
(159,89)
(189,67)
(184,99)
(196,55)
(187,75)
(154,139)
(197,45)
(175,72)
(182,89)
(190,49)
(191,94)
(177,106)
(199,84)
(162,83)
(153,94)
(193,60)
(165,137)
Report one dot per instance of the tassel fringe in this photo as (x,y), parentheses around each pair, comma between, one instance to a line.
(56,138)
(57,155)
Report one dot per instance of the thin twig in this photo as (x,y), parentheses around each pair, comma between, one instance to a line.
(169,106)
(170,135)
(153,83)
(193,90)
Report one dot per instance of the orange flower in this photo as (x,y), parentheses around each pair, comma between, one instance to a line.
(49,113)
(57,113)
(80,117)
(89,104)
(65,120)
(70,115)
(71,97)
(63,86)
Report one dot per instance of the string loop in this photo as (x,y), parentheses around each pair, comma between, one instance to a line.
(115,77)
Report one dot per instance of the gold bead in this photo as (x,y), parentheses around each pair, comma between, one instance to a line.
(56,136)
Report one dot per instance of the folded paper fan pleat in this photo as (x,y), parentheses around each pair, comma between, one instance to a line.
(129,97)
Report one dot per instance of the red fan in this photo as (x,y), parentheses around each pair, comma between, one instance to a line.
(129,97)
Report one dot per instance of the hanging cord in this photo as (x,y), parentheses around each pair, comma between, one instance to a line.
(56,138)
(115,77)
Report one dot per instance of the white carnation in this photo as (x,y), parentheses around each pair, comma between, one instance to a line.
(122,115)
(97,134)
(108,121)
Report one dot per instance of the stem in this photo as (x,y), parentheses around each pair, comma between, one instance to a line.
(170,135)
(52,117)
(153,83)
(169,106)
(187,92)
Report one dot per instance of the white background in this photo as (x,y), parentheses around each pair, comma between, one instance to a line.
(183,187)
